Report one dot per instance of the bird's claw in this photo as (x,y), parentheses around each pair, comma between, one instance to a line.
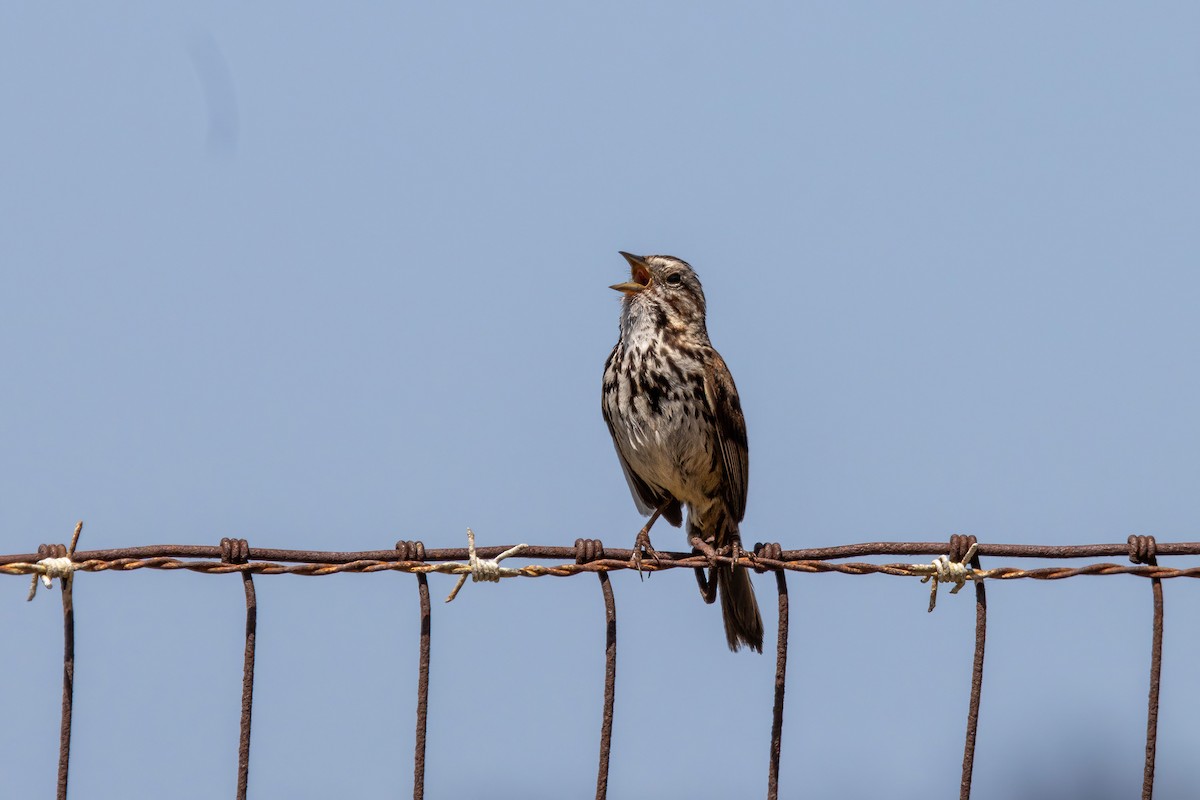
(642,547)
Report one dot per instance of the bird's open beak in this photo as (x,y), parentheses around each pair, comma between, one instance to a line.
(640,273)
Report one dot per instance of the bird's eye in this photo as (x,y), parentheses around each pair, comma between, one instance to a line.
(674,279)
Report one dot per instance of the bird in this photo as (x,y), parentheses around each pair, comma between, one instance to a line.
(677,425)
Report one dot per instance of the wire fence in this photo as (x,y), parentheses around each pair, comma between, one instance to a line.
(956,561)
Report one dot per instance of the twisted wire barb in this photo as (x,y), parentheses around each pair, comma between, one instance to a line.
(953,567)
(51,567)
(481,569)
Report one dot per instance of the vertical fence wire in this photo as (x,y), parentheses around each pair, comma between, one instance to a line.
(237,551)
(415,551)
(959,545)
(1143,549)
(610,684)
(422,689)
(586,551)
(243,778)
(781,652)
(68,689)
(1155,673)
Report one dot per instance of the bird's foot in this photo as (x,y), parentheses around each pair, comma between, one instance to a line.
(642,547)
(736,551)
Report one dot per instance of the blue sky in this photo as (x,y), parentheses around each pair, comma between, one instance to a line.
(325,278)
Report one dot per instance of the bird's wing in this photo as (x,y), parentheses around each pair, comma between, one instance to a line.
(723,402)
(645,498)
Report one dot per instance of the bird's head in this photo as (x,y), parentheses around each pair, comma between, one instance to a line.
(665,282)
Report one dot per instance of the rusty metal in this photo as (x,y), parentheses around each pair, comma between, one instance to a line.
(306,562)
(416,551)
(772,550)
(589,556)
(590,550)
(610,684)
(1143,549)
(959,546)
(15,566)
(68,688)
(68,691)
(121,556)
(235,551)
(422,690)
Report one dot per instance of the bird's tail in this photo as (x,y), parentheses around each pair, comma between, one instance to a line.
(743,623)
(739,608)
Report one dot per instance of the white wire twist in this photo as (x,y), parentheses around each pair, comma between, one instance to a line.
(47,570)
(943,570)
(482,569)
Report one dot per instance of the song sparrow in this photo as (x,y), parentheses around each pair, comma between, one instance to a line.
(676,421)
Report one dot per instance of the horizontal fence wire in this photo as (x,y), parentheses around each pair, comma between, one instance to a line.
(956,561)
(269,561)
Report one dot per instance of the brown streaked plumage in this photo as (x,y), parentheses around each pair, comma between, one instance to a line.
(677,425)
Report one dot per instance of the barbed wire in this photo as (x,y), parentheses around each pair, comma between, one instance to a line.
(956,562)
(317,563)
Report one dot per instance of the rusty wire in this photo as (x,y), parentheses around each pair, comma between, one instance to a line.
(68,691)
(416,550)
(62,553)
(1142,549)
(772,550)
(234,551)
(959,547)
(587,550)
(590,556)
(379,561)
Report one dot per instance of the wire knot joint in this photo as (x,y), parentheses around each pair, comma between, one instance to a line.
(1143,550)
